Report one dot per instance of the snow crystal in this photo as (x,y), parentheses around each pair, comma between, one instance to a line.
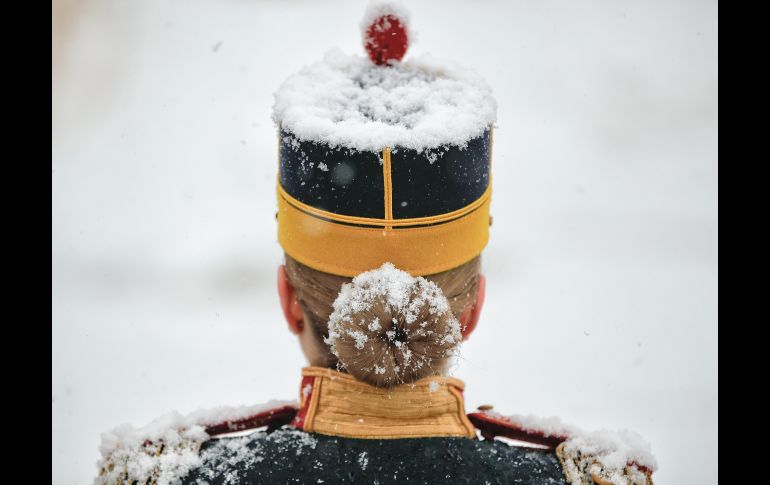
(448,339)
(363,460)
(166,449)
(419,104)
(360,338)
(375,325)
(433,386)
(305,440)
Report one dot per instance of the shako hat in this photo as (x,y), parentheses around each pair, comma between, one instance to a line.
(382,160)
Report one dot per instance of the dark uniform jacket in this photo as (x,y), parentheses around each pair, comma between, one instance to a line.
(349,432)
(346,431)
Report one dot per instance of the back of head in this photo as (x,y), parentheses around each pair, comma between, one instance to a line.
(384,326)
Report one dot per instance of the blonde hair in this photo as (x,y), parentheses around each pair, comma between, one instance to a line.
(316,292)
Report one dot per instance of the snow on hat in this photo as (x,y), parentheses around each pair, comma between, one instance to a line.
(383,160)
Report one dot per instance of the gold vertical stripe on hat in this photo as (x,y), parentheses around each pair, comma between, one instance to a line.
(388,185)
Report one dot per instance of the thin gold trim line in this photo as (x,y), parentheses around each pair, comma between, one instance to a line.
(388,185)
(315,394)
(371,221)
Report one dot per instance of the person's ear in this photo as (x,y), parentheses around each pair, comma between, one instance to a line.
(470,317)
(292,311)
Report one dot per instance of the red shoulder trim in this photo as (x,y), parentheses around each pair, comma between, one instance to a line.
(306,391)
(276,416)
(495,425)
(644,469)
(492,425)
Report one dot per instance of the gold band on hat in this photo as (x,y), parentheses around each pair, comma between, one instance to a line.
(348,245)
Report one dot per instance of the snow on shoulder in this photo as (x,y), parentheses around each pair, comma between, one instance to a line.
(390,328)
(615,457)
(347,101)
(165,450)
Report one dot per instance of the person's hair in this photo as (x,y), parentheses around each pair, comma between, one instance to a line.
(422,354)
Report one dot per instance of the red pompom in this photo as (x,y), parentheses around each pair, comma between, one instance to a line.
(386,39)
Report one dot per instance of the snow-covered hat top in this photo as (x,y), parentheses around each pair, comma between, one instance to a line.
(382,160)
(347,101)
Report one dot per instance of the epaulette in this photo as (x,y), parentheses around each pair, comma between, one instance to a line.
(168,448)
(600,458)
(273,417)
(492,424)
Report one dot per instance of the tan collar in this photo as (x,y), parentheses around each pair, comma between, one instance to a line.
(336,404)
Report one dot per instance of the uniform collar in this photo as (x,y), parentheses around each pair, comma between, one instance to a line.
(334,403)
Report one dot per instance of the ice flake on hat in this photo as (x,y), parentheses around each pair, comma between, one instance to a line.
(419,104)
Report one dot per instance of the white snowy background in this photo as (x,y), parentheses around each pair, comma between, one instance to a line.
(602,265)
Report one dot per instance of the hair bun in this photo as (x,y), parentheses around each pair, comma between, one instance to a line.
(390,328)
